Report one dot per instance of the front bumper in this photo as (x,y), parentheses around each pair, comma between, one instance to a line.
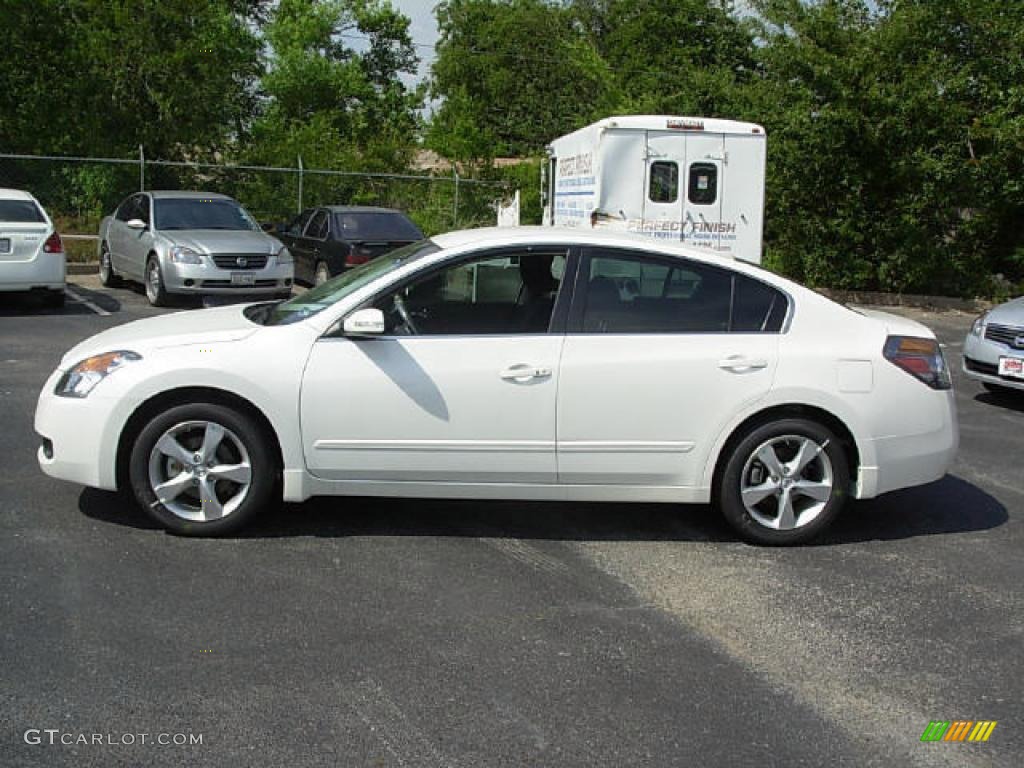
(207,279)
(981,361)
(82,445)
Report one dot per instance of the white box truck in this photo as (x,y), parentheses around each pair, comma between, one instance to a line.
(694,179)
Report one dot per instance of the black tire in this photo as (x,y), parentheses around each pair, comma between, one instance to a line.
(108,277)
(742,467)
(155,290)
(54,299)
(264,470)
(321,273)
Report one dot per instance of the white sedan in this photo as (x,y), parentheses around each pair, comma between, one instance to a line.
(31,252)
(515,364)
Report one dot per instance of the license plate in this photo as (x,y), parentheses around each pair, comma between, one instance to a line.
(243,278)
(5,245)
(1012,367)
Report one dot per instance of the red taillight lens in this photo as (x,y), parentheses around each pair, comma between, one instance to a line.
(354,258)
(921,358)
(53,244)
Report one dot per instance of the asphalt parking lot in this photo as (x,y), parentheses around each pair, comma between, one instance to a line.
(423,633)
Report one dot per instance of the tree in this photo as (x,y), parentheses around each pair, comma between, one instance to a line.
(513,74)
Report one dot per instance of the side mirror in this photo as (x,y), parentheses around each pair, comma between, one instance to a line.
(364,322)
(136,224)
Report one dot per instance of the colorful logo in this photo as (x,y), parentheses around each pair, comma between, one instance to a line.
(958,730)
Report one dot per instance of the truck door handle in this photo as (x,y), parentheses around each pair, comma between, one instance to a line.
(524,372)
(739,364)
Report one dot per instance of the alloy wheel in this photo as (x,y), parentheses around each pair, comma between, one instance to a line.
(200,471)
(787,482)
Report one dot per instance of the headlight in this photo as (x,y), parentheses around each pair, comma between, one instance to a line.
(284,256)
(83,377)
(181,254)
(979,324)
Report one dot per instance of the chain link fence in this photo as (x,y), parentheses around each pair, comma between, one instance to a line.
(78,191)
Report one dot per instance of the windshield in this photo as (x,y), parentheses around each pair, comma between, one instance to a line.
(20,211)
(334,290)
(201,213)
(375,226)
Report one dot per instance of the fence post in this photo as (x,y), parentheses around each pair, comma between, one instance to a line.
(142,169)
(455,211)
(300,184)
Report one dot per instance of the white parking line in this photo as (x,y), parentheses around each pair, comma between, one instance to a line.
(81,300)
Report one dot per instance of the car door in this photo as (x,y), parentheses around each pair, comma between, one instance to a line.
(660,354)
(291,238)
(460,389)
(139,242)
(117,232)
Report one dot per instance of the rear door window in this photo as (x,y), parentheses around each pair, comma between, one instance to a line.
(703,184)
(20,212)
(664,184)
(317,228)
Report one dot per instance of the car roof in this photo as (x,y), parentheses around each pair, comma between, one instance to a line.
(185,194)
(572,236)
(15,194)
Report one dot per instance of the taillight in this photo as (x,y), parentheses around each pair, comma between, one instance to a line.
(354,257)
(921,358)
(53,244)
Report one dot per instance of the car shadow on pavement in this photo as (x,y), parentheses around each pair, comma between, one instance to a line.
(949,506)
(104,301)
(22,305)
(1011,401)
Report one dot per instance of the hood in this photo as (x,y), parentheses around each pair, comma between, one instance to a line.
(897,325)
(223,240)
(1010,313)
(196,326)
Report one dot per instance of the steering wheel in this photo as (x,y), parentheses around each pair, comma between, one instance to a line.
(406,316)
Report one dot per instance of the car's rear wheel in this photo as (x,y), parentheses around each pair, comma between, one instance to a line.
(202,469)
(108,276)
(322,274)
(155,291)
(784,482)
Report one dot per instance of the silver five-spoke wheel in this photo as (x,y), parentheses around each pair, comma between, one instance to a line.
(153,282)
(787,481)
(200,471)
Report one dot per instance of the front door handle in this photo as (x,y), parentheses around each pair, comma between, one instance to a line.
(740,364)
(524,372)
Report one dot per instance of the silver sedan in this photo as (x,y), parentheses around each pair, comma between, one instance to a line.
(994,348)
(191,242)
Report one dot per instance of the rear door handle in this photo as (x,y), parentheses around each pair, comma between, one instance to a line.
(739,364)
(524,372)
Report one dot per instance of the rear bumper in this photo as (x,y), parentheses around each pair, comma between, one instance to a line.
(903,461)
(44,271)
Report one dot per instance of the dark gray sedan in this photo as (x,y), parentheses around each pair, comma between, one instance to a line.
(328,240)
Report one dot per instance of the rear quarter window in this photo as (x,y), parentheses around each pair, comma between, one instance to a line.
(21,212)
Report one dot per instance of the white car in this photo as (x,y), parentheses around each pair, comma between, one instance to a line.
(31,252)
(527,363)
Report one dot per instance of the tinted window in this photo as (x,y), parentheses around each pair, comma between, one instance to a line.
(317,226)
(703,186)
(511,292)
(375,226)
(299,223)
(22,211)
(140,208)
(201,213)
(634,294)
(757,308)
(664,187)
(124,210)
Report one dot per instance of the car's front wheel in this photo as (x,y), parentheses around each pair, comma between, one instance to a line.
(784,482)
(155,291)
(202,469)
